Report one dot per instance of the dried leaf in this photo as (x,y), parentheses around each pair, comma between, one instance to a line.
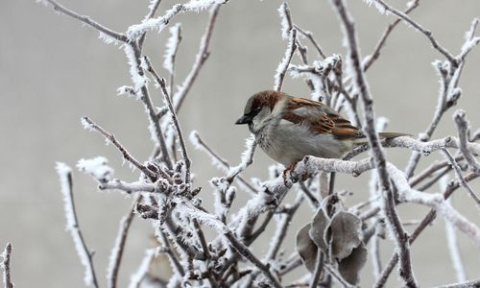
(319,225)
(346,234)
(306,248)
(350,266)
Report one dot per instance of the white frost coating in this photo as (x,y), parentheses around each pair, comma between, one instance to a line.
(171,47)
(138,80)
(174,281)
(468,45)
(137,277)
(199,5)
(135,31)
(246,156)
(286,59)
(116,248)
(460,222)
(64,172)
(108,39)
(96,167)
(284,20)
(381,124)
(454,249)
(87,126)
(201,216)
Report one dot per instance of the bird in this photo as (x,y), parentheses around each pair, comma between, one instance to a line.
(289,128)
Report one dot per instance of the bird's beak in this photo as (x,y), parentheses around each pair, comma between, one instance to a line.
(244,120)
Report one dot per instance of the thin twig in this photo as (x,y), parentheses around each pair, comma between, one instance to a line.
(427,220)
(417,26)
(167,99)
(5,266)
(153,9)
(460,177)
(282,228)
(370,59)
(85,19)
(134,56)
(401,237)
(283,66)
(86,256)
(462,127)
(202,56)
(88,123)
(245,252)
(309,36)
(162,238)
(118,248)
(202,145)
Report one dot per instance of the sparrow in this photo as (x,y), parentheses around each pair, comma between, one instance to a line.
(289,128)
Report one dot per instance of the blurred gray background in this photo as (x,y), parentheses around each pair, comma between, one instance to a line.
(53,70)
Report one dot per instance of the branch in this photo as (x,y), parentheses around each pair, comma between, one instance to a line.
(118,248)
(245,252)
(5,266)
(417,26)
(85,19)
(370,59)
(462,127)
(89,124)
(173,114)
(283,66)
(378,156)
(200,59)
(86,257)
(460,177)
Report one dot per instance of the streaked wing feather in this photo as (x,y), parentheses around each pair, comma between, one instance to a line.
(321,118)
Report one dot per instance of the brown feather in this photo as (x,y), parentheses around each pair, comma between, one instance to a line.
(326,122)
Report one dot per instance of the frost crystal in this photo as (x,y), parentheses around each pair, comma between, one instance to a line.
(172,46)
(97,167)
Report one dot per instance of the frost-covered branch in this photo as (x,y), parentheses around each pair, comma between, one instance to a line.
(382,6)
(200,59)
(87,20)
(90,125)
(462,127)
(392,217)
(168,100)
(5,266)
(119,246)
(86,256)
(370,59)
(283,66)
(245,252)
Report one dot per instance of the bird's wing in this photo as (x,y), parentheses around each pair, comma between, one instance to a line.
(321,118)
